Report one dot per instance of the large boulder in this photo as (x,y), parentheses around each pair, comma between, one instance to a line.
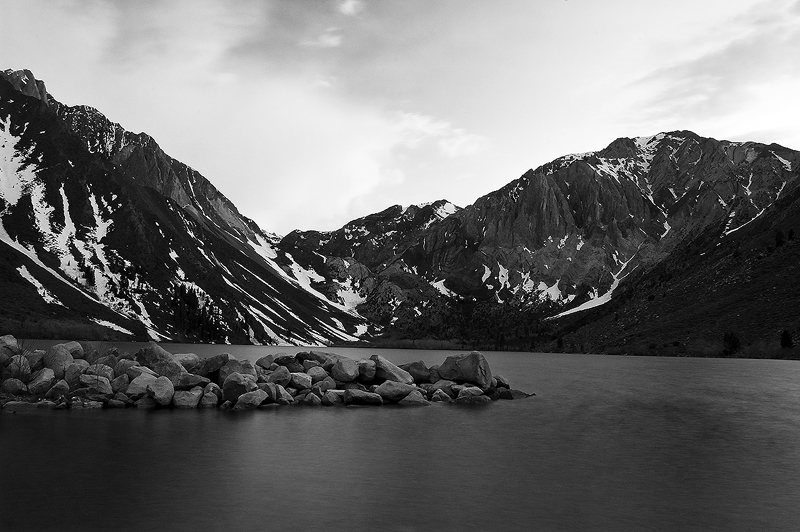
(366,370)
(415,398)
(14,386)
(418,371)
(317,374)
(393,392)
(107,359)
(187,360)
(35,359)
(319,388)
(280,376)
(312,400)
(387,371)
(123,366)
(345,370)
(331,398)
(73,374)
(102,370)
(42,381)
(134,371)
(161,390)
(446,386)
(97,384)
(161,361)
(188,398)
(354,396)
(290,362)
(75,349)
(237,384)
(138,386)
(187,381)
(9,346)
(209,367)
(250,400)
(300,381)
(265,361)
(120,384)
(208,400)
(19,368)
(214,388)
(58,390)
(243,367)
(284,397)
(471,368)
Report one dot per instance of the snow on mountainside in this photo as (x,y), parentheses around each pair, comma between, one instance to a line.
(138,242)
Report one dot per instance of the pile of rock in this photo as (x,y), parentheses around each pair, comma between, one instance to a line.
(65,376)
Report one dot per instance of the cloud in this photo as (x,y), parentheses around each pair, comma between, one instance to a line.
(414,129)
(329,39)
(351,7)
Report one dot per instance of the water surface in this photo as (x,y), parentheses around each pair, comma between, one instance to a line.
(609,443)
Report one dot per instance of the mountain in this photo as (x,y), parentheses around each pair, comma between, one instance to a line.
(617,249)
(104,234)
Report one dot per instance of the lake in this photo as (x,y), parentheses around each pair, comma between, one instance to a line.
(609,443)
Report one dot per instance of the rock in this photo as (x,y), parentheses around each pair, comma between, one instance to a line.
(394,391)
(289,362)
(433,373)
(502,382)
(317,356)
(122,367)
(75,349)
(237,384)
(120,384)
(79,403)
(227,405)
(250,400)
(58,390)
(146,403)
(115,403)
(102,370)
(265,361)
(319,388)
(446,386)
(161,390)
(471,368)
(42,381)
(509,394)
(473,400)
(134,371)
(312,400)
(14,386)
(138,386)
(284,397)
(212,387)
(189,398)
(388,371)
(316,373)
(415,398)
(280,376)
(440,396)
(35,359)
(469,390)
(352,386)
(18,368)
(301,381)
(208,400)
(187,381)
(272,392)
(208,367)
(73,374)
(187,360)
(331,398)
(9,346)
(97,384)
(366,370)
(345,370)
(418,371)
(19,406)
(357,397)
(119,396)
(108,360)
(308,364)
(244,367)
(161,361)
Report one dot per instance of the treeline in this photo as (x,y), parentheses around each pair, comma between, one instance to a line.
(493,325)
(195,315)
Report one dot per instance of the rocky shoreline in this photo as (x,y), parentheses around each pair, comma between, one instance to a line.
(68,375)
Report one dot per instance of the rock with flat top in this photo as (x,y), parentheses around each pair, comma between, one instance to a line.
(357,397)
(393,392)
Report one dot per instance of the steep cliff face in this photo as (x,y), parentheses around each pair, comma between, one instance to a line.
(100,228)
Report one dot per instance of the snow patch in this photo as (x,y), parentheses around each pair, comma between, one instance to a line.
(110,325)
(43,292)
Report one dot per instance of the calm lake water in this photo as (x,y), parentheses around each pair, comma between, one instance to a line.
(609,443)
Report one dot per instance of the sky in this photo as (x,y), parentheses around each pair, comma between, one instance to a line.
(310,113)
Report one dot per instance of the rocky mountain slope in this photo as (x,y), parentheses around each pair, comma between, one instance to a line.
(105,234)
(100,222)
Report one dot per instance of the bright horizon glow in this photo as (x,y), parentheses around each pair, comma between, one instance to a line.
(309,114)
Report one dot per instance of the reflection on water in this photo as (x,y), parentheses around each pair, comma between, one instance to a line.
(609,443)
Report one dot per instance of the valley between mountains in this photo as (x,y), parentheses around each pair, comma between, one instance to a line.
(669,244)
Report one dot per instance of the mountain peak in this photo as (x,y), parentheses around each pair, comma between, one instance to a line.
(24,82)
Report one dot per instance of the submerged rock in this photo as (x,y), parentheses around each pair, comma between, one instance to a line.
(354,396)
